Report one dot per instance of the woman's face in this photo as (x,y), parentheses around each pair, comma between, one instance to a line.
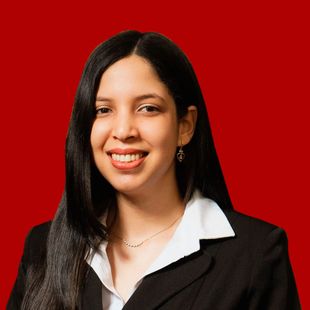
(135,133)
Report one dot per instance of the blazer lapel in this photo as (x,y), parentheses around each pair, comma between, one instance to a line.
(160,285)
(92,293)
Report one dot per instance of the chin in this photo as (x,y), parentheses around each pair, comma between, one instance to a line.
(128,189)
(130,192)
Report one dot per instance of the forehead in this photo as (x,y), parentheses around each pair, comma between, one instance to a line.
(131,76)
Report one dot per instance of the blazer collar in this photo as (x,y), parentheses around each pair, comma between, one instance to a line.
(91,297)
(162,284)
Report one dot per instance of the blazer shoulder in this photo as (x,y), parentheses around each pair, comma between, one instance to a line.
(250,227)
(39,233)
(35,244)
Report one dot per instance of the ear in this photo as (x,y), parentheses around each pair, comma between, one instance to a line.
(187,125)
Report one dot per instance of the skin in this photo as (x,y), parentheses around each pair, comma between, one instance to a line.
(148,199)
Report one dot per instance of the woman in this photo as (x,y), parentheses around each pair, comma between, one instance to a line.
(146,221)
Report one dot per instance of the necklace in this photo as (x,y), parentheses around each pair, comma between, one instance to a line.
(131,245)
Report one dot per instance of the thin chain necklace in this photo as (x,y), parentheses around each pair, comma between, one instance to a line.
(131,245)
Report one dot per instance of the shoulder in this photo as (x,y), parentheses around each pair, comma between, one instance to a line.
(36,240)
(244,223)
(259,251)
(256,248)
(39,233)
(253,234)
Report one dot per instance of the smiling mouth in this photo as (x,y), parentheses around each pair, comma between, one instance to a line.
(127,158)
(127,161)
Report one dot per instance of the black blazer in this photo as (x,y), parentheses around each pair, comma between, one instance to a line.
(249,271)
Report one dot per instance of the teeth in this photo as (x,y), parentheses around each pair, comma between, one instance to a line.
(126,158)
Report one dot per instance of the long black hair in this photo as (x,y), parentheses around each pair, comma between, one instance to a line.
(56,280)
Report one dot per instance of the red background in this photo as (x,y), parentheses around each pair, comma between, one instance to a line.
(251,58)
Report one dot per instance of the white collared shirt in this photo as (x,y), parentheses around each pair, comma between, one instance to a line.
(202,219)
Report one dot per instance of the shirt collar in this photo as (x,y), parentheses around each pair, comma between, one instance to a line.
(202,219)
(206,219)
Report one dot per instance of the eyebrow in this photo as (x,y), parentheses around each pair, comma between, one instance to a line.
(140,97)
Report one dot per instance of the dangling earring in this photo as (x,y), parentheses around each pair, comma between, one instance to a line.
(180,154)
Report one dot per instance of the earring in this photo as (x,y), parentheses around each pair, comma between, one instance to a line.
(180,154)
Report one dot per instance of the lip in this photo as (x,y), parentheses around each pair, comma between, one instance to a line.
(125,151)
(123,165)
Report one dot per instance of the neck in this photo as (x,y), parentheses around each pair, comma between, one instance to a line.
(141,215)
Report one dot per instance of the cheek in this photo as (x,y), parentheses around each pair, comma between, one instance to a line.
(160,134)
(98,135)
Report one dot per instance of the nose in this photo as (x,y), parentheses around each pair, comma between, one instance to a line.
(124,127)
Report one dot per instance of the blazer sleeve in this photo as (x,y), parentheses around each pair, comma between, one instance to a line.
(17,293)
(34,252)
(273,285)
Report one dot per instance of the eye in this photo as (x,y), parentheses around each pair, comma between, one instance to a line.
(102,110)
(149,108)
